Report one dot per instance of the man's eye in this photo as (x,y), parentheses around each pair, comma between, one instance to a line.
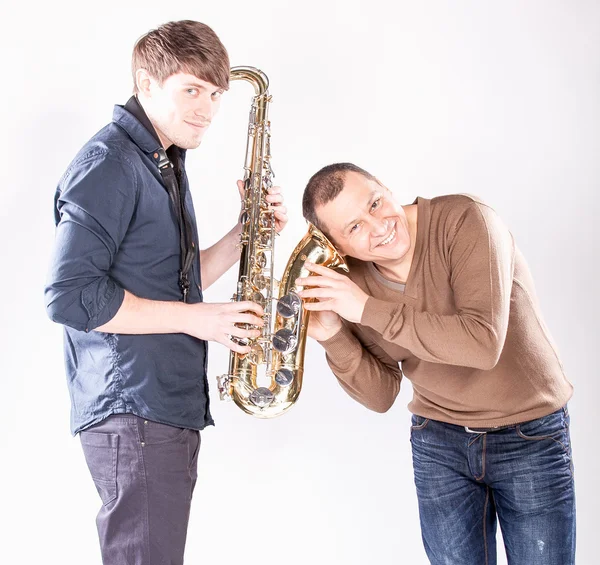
(192,91)
(375,204)
(216,95)
(354,228)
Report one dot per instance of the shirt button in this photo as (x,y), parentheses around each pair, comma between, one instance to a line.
(143,443)
(145,422)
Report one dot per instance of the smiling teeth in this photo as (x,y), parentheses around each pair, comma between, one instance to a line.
(388,239)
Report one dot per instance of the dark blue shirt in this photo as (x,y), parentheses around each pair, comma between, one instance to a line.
(116,230)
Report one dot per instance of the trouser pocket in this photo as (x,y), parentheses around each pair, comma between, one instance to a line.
(101,451)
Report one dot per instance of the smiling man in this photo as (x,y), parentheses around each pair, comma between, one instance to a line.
(126,281)
(438,291)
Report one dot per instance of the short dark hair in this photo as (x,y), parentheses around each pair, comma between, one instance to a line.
(324,186)
(183,46)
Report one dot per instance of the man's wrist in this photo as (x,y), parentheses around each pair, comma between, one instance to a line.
(362,307)
(332,331)
(180,317)
(236,233)
(335,331)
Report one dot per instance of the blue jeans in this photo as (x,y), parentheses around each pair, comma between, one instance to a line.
(521,476)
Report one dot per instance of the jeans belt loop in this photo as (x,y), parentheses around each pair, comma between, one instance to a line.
(485,430)
(470,431)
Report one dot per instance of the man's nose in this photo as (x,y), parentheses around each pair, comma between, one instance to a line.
(379,226)
(206,109)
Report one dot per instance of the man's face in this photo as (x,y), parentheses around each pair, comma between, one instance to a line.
(365,222)
(181,109)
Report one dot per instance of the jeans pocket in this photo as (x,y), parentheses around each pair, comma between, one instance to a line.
(155,433)
(418,422)
(195,450)
(101,451)
(552,426)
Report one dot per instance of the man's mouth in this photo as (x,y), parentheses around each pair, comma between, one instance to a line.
(198,125)
(388,239)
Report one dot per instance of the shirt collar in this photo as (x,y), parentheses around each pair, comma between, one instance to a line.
(134,120)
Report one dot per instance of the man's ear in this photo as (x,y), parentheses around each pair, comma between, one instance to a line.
(143,81)
(328,236)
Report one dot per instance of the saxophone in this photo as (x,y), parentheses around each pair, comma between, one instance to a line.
(267,381)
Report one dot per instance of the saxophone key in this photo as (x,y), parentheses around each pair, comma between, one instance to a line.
(260,260)
(289,305)
(259,299)
(260,281)
(285,341)
(261,397)
(284,377)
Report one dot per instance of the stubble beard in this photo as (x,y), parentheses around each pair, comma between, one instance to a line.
(186,142)
(182,141)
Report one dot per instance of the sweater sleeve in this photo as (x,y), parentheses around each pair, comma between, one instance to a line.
(364,370)
(480,255)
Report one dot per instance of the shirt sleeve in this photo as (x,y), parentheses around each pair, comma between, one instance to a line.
(481,262)
(364,370)
(94,202)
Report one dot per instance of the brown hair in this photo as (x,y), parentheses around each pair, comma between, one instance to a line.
(324,186)
(183,46)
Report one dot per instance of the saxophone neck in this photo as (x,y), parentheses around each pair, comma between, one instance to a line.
(254,76)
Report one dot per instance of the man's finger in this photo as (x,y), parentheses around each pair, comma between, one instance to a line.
(319,306)
(228,341)
(316,293)
(316,280)
(236,347)
(243,333)
(247,305)
(274,198)
(246,318)
(319,269)
(242,191)
(243,318)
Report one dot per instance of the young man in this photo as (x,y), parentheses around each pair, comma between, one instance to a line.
(126,281)
(440,287)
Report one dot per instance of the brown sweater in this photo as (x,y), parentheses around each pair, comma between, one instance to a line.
(466,328)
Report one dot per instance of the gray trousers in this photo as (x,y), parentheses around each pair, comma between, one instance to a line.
(145,473)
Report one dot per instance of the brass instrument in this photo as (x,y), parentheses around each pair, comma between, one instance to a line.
(277,355)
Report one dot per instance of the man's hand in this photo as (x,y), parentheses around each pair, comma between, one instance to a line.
(212,322)
(335,293)
(218,322)
(275,200)
(323,325)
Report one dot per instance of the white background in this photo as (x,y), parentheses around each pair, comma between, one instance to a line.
(498,99)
